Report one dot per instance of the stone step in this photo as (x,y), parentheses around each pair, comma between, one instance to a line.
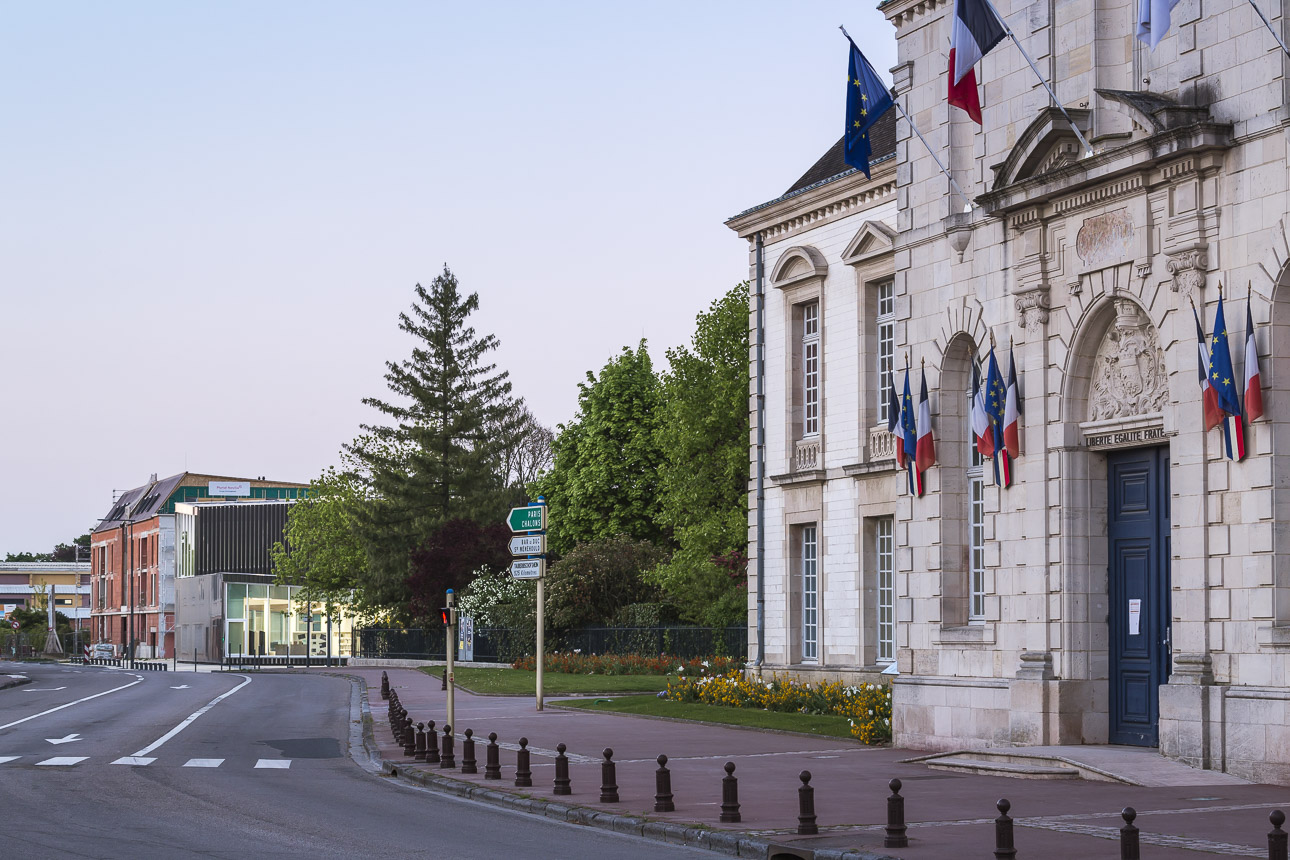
(1015,770)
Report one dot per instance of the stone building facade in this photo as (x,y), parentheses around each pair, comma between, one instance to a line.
(1133,584)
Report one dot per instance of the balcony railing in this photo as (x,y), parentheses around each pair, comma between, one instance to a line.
(882,445)
(806,455)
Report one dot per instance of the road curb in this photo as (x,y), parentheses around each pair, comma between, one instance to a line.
(14,682)
(731,842)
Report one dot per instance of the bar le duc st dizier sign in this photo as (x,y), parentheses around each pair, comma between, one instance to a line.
(1125,438)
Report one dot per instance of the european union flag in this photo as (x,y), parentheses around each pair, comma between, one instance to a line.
(867,99)
(1221,376)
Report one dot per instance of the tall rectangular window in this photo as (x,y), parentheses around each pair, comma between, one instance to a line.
(976,528)
(810,596)
(811,369)
(886,334)
(886,591)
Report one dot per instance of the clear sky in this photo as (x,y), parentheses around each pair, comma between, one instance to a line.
(211,213)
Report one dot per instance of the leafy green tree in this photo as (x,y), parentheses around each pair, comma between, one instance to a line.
(322,551)
(78,549)
(604,480)
(591,583)
(702,431)
(439,457)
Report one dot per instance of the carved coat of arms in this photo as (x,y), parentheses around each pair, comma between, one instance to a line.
(1129,370)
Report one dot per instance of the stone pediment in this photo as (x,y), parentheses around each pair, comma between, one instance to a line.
(1151,112)
(1047,144)
(797,264)
(873,239)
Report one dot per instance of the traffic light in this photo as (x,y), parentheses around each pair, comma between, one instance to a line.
(446,615)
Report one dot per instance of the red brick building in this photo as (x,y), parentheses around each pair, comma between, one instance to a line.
(133,556)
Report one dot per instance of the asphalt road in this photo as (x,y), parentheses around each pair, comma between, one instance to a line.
(97,762)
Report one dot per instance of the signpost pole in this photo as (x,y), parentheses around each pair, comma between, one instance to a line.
(532,521)
(541,638)
(450,640)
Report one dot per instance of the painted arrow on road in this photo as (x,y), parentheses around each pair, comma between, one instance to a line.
(180,687)
(66,740)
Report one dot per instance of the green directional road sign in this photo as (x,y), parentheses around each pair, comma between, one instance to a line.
(531,518)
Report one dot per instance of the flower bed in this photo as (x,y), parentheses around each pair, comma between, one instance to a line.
(866,707)
(610,664)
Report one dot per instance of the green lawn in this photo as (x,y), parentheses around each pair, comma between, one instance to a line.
(505,681)
(829,726)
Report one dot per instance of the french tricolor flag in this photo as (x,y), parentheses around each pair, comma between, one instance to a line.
(1253,385)
(1208,396)
(1012,411)
(925,452)
(976,30)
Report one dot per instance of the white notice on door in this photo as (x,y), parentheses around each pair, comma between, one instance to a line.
(1135,617)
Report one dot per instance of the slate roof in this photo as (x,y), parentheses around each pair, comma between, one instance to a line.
(830,166)
(141,503)
(882,143)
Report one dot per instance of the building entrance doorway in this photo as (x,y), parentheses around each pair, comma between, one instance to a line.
(1137,531)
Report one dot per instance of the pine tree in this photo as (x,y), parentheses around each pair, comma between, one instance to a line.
(439,457)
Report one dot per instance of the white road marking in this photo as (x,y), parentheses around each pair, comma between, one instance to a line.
(42,689)
(62,760)
(138,680)
(280,763)
(137,760)
(191,717)
(5,758)
(180,687)
(204,762)
(66,739)
(20,677)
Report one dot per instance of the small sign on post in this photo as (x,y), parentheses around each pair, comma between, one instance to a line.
(528,568)
(528,545)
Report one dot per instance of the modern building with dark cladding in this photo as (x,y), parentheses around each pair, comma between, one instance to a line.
(236,537)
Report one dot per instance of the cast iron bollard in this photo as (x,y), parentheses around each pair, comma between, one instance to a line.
(608,778)
(432,744)
(1003,847)
(421,742)
(561,771)
(1277,836)
(663,787)
(409,739)
(730,796)
(448,759)
(492,764)
(806,825)
(468,753)
(1129,836)
(385,685)
(523,775)
(895,836)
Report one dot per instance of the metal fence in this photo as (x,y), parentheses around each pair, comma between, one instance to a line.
(504,645)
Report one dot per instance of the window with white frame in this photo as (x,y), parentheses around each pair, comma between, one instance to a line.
(810,596)
(976,529)
(811,369)
(886,335)
(886,567)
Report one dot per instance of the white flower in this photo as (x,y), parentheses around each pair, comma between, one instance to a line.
(704,664)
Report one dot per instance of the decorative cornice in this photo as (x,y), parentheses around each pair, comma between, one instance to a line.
(1110,191)
(903,12)
(861,200)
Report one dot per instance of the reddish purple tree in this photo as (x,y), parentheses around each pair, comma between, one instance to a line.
(450,557)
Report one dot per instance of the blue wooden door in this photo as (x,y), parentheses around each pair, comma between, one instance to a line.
(1138,543)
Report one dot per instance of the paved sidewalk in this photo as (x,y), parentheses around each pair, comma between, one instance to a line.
(1181,812)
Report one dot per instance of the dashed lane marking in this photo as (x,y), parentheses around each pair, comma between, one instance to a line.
(204,762)
(279,763)
(5,758)
(137,760)
(62,761)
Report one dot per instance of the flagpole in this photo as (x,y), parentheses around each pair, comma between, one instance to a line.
(1268,24)
(896,103)
(1088,150)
